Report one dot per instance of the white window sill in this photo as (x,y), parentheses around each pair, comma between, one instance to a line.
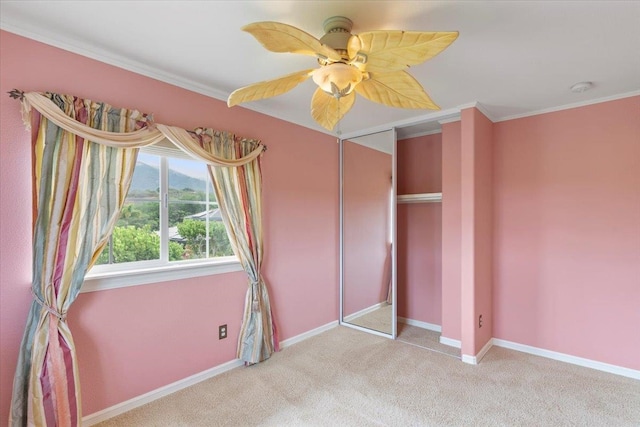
(141,276)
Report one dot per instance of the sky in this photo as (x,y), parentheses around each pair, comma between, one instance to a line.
(191,168)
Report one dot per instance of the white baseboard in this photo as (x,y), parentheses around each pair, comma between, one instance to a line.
(135,402)
(420,324)
(121,408)
(450,342)
(587,363)
(474,360)
(308,334)
(364,311)
(562,357)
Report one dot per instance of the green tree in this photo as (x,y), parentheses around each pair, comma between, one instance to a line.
(194,202)
(195,233)
(131,243)
(151,215)
(176,251)
(140,215)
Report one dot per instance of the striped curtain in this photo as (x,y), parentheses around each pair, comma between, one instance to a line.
(239,194)
(80,189)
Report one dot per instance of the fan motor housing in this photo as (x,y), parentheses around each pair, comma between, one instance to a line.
(337,33)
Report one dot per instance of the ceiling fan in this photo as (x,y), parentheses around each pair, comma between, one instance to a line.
(371,64)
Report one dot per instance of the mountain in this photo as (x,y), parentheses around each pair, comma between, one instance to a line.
(147,177)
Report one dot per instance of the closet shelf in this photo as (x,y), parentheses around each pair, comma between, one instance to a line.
(420,198)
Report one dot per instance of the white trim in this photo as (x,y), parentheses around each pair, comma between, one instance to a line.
(364,311)
(420,324)
(471,360)
(122,279)
(120,408)
(450,342)
(483,351)
(477,105)
(116,60)
(574,360)
(427,118)
(158,393)
(451,120)
(305,335)
(474,360)
(570,106)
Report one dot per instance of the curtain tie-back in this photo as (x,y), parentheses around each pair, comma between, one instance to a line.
(51,311)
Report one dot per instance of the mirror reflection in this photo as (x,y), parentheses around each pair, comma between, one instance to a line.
(367,224)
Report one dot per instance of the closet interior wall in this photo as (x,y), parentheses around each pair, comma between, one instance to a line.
(419,230)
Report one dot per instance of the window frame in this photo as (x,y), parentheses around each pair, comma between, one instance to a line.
(113,276)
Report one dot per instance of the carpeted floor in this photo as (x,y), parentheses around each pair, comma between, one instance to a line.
(380,320)
(426,339)
(345,377)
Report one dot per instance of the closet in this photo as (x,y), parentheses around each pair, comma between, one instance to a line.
(436,207)
(419,239)
(391,234)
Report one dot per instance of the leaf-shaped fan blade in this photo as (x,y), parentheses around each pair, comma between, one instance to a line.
(396,89)
(328,110)
(354,45)
(278,37)
(268,89)
(397,50)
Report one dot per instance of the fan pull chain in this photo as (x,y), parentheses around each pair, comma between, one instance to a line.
(339,130)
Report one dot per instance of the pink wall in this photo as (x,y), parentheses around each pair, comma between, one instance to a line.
(134,340)
(477,229)
(567,231)
(419,228)
(420,262)
(451,237)
(420,164)
(367,216)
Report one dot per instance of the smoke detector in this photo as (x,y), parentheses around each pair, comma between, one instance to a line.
(581,87)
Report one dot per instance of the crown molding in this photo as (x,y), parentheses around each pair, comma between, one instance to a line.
(116,60)
(427,118)
(452,120)
(570,106)
(478,105)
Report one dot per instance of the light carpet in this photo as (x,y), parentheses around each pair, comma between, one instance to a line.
(345,377)
(425,339)
(380,320)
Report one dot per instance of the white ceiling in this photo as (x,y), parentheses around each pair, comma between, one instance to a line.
(513,57)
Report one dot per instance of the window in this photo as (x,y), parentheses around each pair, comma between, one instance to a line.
(170,222)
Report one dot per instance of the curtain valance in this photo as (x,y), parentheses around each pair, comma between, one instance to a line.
(150,134)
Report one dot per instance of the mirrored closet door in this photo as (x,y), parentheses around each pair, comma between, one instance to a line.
(367,233)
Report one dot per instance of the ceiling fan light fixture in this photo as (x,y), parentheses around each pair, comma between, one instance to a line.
(337,79)
(373,62)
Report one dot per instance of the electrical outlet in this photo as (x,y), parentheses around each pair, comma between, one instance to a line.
(480,321)
(222,332)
